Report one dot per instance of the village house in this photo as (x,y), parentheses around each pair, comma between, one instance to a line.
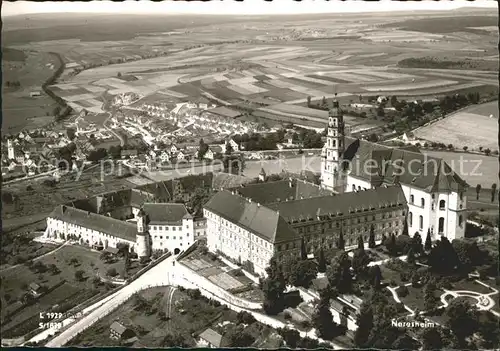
(209,338)
(35,289)
(118,331)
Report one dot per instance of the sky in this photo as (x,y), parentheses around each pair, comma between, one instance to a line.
(253,7)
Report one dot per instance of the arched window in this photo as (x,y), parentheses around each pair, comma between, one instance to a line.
(422,202)
(460,221)
(442,204)
(412,199)
(421,222)
(410,219)
(441,225)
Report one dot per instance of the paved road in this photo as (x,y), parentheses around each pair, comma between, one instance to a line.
(122,142)
(157,276)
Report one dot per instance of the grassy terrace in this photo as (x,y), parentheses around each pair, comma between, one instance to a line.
(18,319)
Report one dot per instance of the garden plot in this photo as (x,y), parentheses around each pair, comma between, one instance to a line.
(314,80)
(412,86)
(172,93)
(386,75)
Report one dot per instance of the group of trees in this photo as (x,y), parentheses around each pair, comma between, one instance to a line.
(308,139)
(493,191)
(375,328)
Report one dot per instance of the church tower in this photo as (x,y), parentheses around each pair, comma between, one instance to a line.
(332,177)
(142,238)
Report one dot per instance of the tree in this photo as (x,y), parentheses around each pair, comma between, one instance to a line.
(79,275)
(493,192)
(361,244)
(202,150)
(375,275)
(321,261)
(465,148)
(489,331)
(322,319)
(290,336)
(463,319)
(303,251)
(229,149)
(273,287)
(53,269)
(299,272)
(365,323)
(119,74)
(428,241)
(238,337)
(112,272)
(339,273)
(478,190)
(443,258)
(245,317)
(340,241)
(371,240)
(417,244)
(323,102)
(360,262)
(432,339)
(410,256)
(430,299)
(71,133)
(174,340)
(308,101)
(391,244)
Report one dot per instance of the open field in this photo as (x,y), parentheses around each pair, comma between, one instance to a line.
(250,67)
(31,70)
(456,129)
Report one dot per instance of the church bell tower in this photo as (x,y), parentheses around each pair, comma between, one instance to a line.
(332,176)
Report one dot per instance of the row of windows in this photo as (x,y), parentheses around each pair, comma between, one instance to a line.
(440,224)
(168,237)
(160,227)
(442,203)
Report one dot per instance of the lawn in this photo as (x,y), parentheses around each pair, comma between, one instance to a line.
(415,297)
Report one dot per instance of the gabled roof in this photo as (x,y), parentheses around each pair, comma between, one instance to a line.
(379,164)
(212,337)
(165,213)
(340,204)
(118,327)
(104,224)
(256,218)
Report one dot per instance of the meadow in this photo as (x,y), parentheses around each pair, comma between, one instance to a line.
(471,127)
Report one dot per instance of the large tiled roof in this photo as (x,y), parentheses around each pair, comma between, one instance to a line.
(379,164)
(104,224)
(165,213)
(248,214)
(158,190)
(340,204)
(282,190)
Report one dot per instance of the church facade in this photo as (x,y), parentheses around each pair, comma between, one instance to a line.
(435,194)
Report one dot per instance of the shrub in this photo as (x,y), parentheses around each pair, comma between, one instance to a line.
(245,317)
(403,291)
(287,315)
(112,272)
